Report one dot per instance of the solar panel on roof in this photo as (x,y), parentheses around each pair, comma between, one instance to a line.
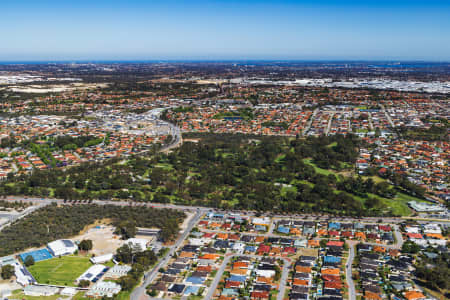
(67,243)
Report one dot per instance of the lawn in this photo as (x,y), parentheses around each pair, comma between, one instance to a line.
(308,161)
(333,144)
(164,166)
(399,204)
(123,295)
(375,178)
(286,189)
(60,271)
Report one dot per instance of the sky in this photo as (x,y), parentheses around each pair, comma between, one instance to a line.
(224,30)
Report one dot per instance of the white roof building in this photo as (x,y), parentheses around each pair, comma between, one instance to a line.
(425,207)
(62,247)
(239,247)
(137,243)
(5,294)
(39,291)
(420,242)
(92,273)
(68,291)
(265,273)
(261,221)
(7,260)
(24,277)
(118,271)
(101,259)
(432,228)
(199,242)
(412,229)
(434,242)
(104,288)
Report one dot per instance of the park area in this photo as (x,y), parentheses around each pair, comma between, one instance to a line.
(60,271)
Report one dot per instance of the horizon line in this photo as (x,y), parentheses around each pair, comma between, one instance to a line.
(18,61)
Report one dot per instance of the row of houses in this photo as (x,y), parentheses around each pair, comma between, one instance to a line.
(190,272)
(43,129)
(386,274)
(250,277)
(379,233)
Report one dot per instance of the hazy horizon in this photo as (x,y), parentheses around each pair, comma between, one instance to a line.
(118,30)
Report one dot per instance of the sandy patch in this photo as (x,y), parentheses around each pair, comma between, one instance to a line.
(189,216)
(308,252)
(103,238)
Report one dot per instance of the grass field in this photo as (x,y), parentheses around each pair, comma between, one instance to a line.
(308,161)
(60,271)
(399,204)
(165,166)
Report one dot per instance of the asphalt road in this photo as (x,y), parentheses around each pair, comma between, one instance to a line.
(283,280)
(140,292)
(348,271)
(398,237)
(13,217)
(284,275)
(308,125)
(216,280)
(327,130)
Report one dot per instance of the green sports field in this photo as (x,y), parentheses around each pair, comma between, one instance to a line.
(60,271)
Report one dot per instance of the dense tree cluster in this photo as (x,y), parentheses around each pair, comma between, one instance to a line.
(402,182)
(229,171)
(7,272)
(434,133)
(55,222)
(140,262)
(435,273)
(127,229)
(67,142)
(8,142)
(18,205)
(329,151)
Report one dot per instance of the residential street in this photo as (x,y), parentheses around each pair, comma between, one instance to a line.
(348,270)
(227,259)
(139,292)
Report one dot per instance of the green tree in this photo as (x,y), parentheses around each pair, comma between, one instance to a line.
(85,245)
(127,282)
(29,261)
(84,283)
(126,229)
(410,247)
(7,272)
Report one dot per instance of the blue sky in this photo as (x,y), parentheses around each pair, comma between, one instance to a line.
(227,29)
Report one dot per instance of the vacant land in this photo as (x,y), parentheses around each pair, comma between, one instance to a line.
(60,271)
(103,238)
